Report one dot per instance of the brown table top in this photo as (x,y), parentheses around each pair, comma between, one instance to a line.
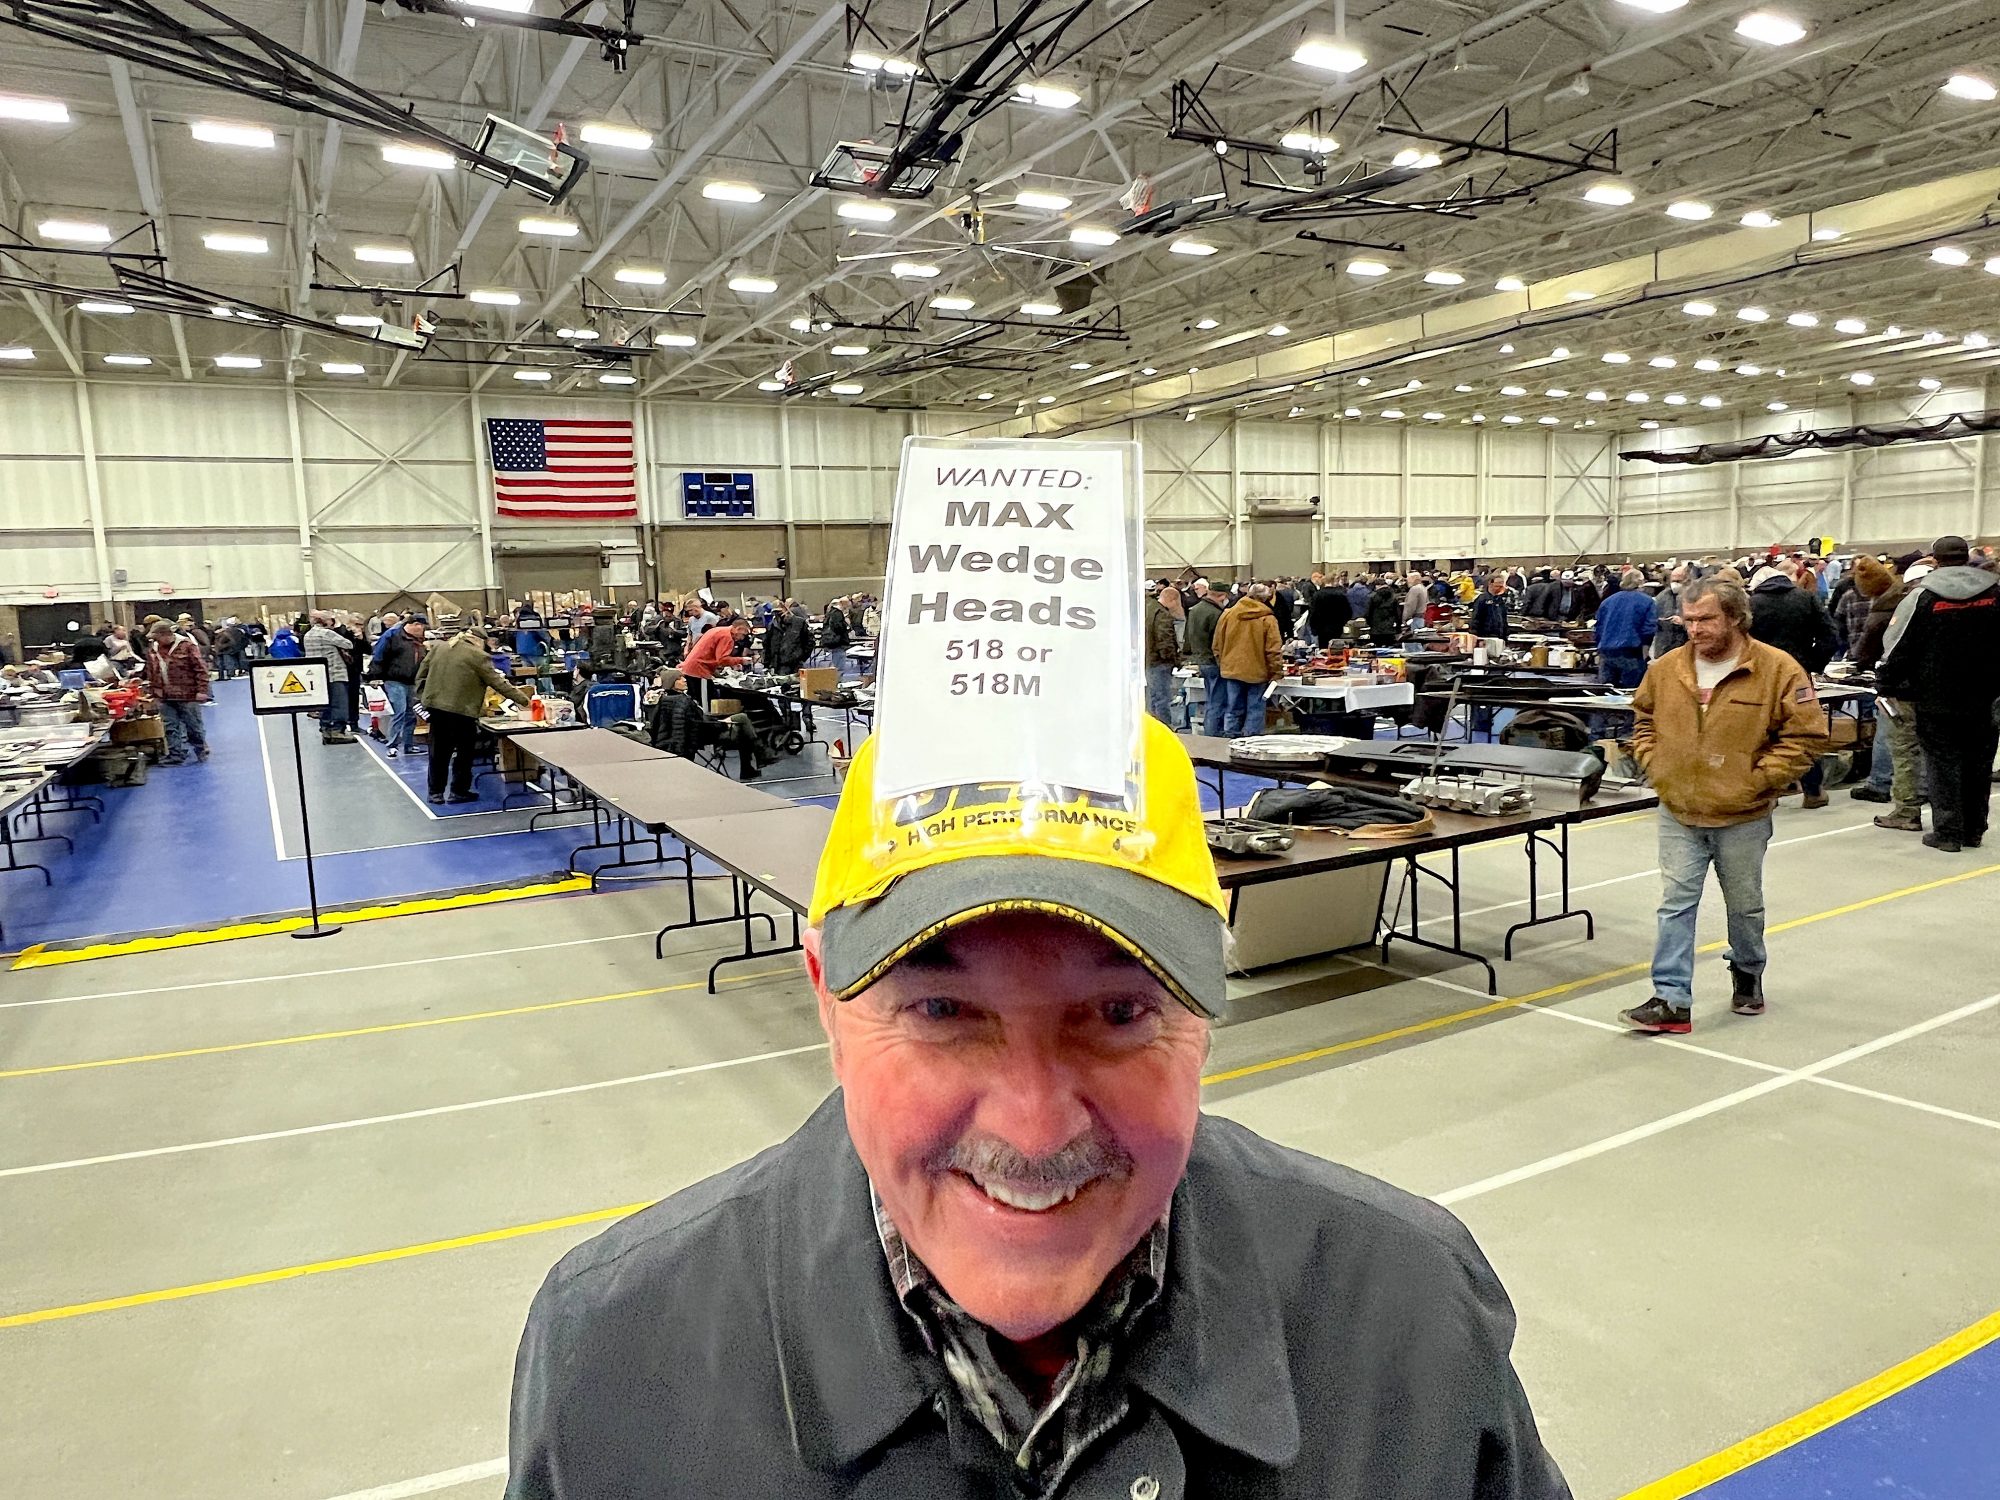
(777,850)
(589,747)
(512,727)
(663,794)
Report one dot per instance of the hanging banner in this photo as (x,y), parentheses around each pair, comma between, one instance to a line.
(1010,626)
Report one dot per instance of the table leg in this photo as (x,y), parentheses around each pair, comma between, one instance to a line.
(750,950)
(1535,918)
(1412,884)
(737,913)
(627,839)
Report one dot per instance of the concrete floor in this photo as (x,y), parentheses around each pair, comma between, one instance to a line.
(1702,1238)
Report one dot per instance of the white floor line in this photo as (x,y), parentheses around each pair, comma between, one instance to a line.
(444,1479)
(429,1483)
(434,1112)
(382,765)
(1665,1123)
(1940,1110)
(270,790)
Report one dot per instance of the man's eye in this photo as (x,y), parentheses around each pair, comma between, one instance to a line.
(937,1009)
(1127,1012)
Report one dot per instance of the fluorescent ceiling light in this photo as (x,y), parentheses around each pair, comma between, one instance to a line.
(1617,357)
(1609,194)
(1933,337)
(732,192)
(238,362)
(497,297)
(1367,268)
(1689,209)
(37,111)
(1081,364)
(1951,255)
(1749,370)
(219,311)
(770,385)
(555,229)
(1511,420)
(1637,398)
(1664,362)
(1709,365)
(1329,57)
(1758,219)
(846,388)
(341,367)
(1753,315)
(1512,390)
(1862,377)
(128,361)
(952,303)
(1433,416)
(1928,384)
(1698,309)
(1047,95)
(1053,203)
(1041,309)
(385,255)
(1675,399)
(223,133)
(1650,426)
(532,375)
(913,270)
(1410,156)
(1852,326)
(1549,421)
(230,243)
(1977,341)
(1971,86)
(1394,414)
(640,276)
(1580,294)
(1596,396)
(19,352)
(1993,266)
(1085,234)
(1305,140)
(1463,390)
(1770,28)
(616,379)
(1826,236)
(755,286)
(1803,320)
(675,340)
(1444,278)
(1711,401)
(357,320)
(1192,247)
(405,155)
(1148,370)
(618,137)
(1278,331)
(849,351)
(983,396)
(1205,324)
(1776,406)
(1510,284)
(1045,400)
(511,7)
(105,309)
(74,231)
(576,333)
(1654,7)
(863,212)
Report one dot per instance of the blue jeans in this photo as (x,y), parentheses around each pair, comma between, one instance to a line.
(839,655)
(338,715)
(1242,708)
(1212,705)
(1160,694)
(182,721)
(402,716)
(1737,853)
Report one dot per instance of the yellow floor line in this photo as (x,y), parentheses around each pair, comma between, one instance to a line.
(287,1273)
(1828,1413)
(385,1029)
(41,956)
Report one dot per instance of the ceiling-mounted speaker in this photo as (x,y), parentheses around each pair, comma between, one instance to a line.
(1074,295)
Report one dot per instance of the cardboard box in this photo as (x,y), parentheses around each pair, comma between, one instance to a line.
(818,682)
(722,708)
(137,731)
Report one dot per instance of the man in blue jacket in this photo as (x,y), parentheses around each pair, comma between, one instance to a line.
(1010,1256)
(1626,623)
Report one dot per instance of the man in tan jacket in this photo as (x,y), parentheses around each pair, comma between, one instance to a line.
(1249,654)
(1723,724)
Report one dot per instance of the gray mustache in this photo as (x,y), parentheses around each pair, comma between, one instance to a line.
(1082,1161)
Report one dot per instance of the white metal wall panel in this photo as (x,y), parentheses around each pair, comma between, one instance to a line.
(429,494)
(201,422)
(1439,450)
(364,428)
(1367,450)
(1517,453)
(197,564)
(38,493)
(159,492)
(1277,447)
(367,562)
(1452,495)
(38,416)
(1516,495)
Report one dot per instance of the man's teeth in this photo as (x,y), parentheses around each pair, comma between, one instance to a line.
(1026,1200)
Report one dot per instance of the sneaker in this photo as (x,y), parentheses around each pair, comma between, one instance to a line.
(1747,998)
(751,773)
(202,753)
(1659,1016)
(173,760)
(1867,793)
(1942,845)
(392,752)
(461,797)
(1900,822)
(1973,841)
(1815,799)
(437,797)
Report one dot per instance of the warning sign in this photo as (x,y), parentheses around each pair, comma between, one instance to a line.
(287,687)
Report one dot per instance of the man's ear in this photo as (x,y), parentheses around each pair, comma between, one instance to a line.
(816,974)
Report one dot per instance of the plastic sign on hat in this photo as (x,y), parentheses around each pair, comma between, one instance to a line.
(1012,768)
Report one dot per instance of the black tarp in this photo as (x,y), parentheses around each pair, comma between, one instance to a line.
(1832,439)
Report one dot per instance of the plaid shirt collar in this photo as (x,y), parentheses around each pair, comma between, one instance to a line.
(1088,1400)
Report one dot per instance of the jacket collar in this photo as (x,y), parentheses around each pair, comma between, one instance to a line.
(855,1371)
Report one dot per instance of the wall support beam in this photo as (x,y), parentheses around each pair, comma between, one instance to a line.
(93,492)
(300,499)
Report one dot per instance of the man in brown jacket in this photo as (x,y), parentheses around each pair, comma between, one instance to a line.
(1723,723)
(1249,653)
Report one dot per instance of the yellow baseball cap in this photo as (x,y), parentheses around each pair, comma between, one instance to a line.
(1134,868)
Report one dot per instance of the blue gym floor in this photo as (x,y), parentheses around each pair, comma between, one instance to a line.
(1934,1441)
(220,840)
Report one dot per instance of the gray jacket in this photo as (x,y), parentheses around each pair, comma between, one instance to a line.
(1320,1334)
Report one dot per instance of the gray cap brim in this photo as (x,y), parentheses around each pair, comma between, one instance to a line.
(1175,936)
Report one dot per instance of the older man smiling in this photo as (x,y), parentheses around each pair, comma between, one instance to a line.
(1010,1256)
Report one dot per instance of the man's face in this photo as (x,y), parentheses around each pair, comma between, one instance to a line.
(414,630)
(1713,632)
(1024,1097)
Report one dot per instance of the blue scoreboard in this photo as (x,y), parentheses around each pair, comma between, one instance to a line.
(718,496)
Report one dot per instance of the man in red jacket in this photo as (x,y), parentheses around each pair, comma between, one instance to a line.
(720,646)
(178,677)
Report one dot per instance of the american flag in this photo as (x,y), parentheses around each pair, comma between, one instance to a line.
(563,471)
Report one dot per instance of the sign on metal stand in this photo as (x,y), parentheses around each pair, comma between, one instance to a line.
(292,688)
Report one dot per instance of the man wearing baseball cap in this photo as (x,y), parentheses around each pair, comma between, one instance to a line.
(1009,1255)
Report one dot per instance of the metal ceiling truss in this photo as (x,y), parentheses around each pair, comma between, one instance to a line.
(442,286)
(616,42)
(194,40)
